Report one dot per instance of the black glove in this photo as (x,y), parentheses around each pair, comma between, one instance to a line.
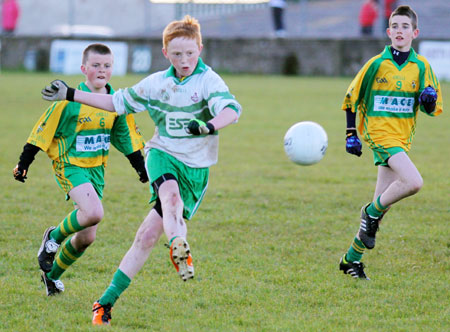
(20,173)
(25,160)
(58,90)
(428,99)
(198,127)
(353,144)
(137,161)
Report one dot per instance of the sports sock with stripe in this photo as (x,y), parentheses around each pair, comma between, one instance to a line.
(66,257)
(375,209)
(356,251)
(66,227)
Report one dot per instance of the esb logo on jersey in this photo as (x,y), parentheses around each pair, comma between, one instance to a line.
(176,123)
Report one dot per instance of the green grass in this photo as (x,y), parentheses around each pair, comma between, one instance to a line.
(266,241)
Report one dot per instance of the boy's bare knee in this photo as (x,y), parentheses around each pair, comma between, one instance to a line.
(416,185)
(94,216)
(174,199)
(171,202)
(146,238)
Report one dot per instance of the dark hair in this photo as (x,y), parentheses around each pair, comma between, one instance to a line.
(95,48)
(406,11)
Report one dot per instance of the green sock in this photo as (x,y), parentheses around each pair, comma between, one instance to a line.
(375,209)
(119,283)
(68,226)
(356,251)
(66,257)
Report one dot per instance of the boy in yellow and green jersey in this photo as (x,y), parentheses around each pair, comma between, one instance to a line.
(77,139)
(387,93)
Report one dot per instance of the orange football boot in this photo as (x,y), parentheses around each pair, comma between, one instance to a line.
(180,255)
(102,314)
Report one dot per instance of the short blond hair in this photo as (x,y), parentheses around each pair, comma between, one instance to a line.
(406,11)
(188,27)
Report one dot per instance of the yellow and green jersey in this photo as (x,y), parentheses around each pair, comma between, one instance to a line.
(81,135)
(387,98)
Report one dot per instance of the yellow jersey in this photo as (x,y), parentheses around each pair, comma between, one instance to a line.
(81,135)
(387,98)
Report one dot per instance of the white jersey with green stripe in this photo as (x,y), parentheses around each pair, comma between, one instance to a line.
(81,135)
(386,96)
(172,102)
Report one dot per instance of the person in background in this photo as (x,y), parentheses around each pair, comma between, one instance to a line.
(368,16)
(278,7)
(10,15)
(389,6)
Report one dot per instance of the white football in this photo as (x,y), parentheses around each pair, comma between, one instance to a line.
(305,143)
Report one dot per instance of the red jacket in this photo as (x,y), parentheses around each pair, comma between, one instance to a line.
(368,14)
(10,14)
(388,4)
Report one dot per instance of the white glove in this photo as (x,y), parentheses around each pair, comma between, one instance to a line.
(58,90)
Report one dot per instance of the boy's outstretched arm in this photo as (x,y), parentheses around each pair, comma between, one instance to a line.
(352,143)
(223,119)
(58,90)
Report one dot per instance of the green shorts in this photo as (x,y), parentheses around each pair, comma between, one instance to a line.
(69,176)
(381,155)
(192,182)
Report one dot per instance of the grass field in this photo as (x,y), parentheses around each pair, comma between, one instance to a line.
(266,241)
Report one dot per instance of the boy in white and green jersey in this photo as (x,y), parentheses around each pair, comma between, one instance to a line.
(388,92)
(77,138)
(188,103)
(172,103)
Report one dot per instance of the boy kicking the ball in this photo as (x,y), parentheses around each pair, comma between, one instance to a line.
(189,103)
(77,139)
(388,92)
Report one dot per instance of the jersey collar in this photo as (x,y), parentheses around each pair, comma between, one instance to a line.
(388,55)
(83,87)
(200,68)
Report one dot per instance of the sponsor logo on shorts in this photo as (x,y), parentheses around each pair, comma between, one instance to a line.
(393,104)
